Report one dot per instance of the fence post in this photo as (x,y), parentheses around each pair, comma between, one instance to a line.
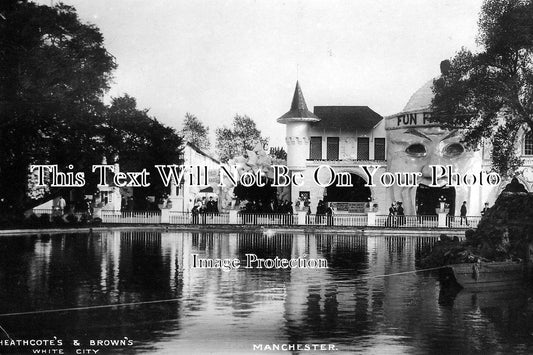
(233,217)
(371,218)
(302,217)
(165,215)
(442,219)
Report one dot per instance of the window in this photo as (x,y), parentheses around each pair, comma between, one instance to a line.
(528,144)
(379,148)
(315,148)
(363,148)
(333,148)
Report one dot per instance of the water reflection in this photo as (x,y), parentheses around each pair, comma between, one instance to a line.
(349,304)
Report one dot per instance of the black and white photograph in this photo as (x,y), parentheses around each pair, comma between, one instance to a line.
(266,177)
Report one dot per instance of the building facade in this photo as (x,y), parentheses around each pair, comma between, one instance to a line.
(341,137)
(349,137)
(185,195)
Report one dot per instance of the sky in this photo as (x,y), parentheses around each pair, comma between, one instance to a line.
(219,58)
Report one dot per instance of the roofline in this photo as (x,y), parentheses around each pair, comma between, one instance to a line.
(199,151)
(426,109)
(343,106)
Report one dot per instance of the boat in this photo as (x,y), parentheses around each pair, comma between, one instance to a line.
(489,274)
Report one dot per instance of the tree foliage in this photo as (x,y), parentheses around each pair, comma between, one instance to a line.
(137,141)
(241,137)
(54,71)
(195,132)
(489,93)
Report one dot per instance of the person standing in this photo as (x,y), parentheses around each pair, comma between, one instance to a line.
(463,213)
(400,213)
(329,213)
(420,211)
(195,211)
(203,211)
(391,217)
(320,210)
(62,205)
(485,209)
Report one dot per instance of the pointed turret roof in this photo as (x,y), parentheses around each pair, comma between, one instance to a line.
(299,111)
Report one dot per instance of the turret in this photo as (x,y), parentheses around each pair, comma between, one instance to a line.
(297,122)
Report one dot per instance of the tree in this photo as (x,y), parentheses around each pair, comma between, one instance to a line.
(260,194)
(195,132)
(489,94)
(54,71)
(237,140)
(137,141)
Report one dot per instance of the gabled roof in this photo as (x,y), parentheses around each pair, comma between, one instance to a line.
(201,152)
(346,117)
(299,111)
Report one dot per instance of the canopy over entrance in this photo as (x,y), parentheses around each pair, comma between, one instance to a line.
(356,193)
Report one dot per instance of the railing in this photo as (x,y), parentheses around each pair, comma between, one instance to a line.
(201,218)
(345,162)
(407,221)
(268,219)
(131,217)
(348,220)
(463,222)
(41,211)
(56,212)
(277,219)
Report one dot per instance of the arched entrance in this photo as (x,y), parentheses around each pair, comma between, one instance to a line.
(356,193)
(428,199)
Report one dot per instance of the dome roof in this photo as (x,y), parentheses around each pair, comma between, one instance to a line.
(421,99)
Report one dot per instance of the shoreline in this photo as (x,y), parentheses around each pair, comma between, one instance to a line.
(368,231)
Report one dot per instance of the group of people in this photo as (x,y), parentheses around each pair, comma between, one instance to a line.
(274,206)
(396,215)
(323,210)
(464,212)
(204,208)
(395,218)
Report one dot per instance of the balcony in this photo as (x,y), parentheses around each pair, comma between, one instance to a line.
(528,160)
(344,162)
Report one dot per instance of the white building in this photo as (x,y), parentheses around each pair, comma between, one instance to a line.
(342,137)
(345,137)
(184,196)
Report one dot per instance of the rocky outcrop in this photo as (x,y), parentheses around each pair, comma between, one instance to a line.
(504,233)
(506,229)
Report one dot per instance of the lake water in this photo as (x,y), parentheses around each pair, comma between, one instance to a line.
(166,307)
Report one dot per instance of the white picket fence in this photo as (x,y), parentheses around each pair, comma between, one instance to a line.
(348,220)
(136,217)
(271,219)
(464,222)
(268,219)
(206,218)
(407,221)
(56,212)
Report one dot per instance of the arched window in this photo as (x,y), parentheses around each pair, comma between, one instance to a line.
(528,143)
